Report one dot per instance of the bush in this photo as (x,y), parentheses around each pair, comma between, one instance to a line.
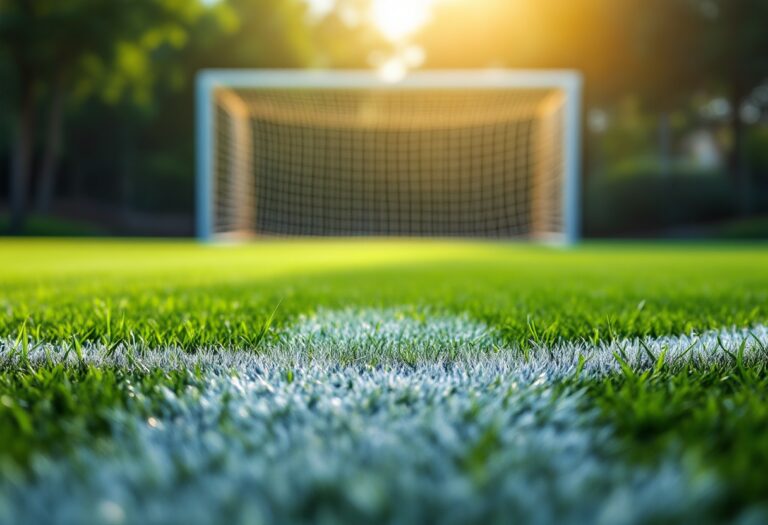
(757,153)
(647,201)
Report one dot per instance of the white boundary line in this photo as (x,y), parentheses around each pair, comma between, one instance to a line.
(353,339)
(377,437)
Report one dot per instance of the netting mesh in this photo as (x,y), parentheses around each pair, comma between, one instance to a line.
(469,163)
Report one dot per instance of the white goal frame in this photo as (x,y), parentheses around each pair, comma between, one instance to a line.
(569,82)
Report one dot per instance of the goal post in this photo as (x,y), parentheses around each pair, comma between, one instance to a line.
(492,154)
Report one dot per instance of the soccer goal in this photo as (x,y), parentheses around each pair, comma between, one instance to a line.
(488,154)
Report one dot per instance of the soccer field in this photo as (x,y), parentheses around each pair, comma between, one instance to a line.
(387,381)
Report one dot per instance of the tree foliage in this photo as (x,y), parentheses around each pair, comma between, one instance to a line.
(79,49)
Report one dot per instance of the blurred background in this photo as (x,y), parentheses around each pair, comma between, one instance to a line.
(97,121)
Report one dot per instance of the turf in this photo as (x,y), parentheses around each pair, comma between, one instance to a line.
(168,294)
(323,381)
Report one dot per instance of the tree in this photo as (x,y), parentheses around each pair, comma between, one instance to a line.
(735,44)
(58,48)
(716,45)
(666,65)
(18,33)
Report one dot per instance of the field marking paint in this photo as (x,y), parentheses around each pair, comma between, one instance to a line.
(330,339)
(472,433)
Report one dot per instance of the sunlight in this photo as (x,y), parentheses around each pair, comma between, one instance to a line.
(398,19)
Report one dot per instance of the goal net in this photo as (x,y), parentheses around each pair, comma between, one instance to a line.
(462,154)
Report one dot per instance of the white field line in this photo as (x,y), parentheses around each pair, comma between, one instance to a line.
(388,338)
(468,434)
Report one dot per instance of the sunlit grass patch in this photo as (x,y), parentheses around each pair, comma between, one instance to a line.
(179,294)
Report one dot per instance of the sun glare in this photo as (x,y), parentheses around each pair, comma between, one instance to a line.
(398,19)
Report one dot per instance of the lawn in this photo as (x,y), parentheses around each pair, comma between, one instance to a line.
(382,382)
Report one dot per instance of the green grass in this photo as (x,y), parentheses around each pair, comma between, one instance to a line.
(161,294)
(50,410)
(716,417)
(69,301)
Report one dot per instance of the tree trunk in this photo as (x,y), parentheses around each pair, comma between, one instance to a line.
(127,173)
(735,14)
(49,167)
(665,144)
(736,155)
(22,155)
